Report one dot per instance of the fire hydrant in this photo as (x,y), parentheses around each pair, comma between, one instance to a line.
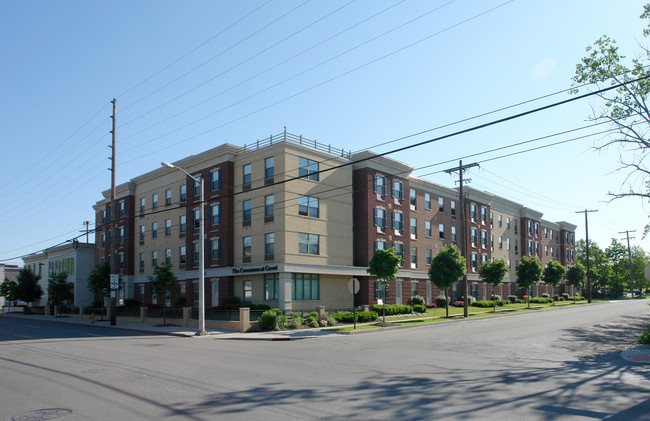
(92,318)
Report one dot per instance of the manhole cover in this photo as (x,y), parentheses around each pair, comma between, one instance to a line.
(42,414)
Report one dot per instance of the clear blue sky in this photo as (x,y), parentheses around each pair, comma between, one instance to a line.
(192,75)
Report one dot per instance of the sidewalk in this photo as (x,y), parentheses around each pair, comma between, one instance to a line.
(284,335)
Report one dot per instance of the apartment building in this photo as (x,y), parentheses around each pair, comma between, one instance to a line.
(289,221)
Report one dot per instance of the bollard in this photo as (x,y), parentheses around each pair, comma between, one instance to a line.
(92,318)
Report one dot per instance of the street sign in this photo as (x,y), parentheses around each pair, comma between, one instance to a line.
(115,281)
(354,286)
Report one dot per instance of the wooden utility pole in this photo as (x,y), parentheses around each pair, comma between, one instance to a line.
(587,251)
(629,255)
(461,170)
(113,219)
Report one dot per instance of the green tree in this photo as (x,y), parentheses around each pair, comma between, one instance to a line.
(625,108)
(618,260)
(493,273)
(59,290)
(446,268)
(27,288)
(575,275)
(8,290)
(99,281)
(528,272)
(639,261)
(164,284)
(552,275)
(383,266)
(599,266)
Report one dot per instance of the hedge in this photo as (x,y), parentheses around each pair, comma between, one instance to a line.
(393,309)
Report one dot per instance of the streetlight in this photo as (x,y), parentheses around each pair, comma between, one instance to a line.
(201,330)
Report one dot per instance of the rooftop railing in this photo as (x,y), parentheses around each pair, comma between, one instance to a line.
(299,139)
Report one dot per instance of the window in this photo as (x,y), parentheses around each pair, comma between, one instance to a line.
(546,251)
(196,218)
(484,258)
(499,222)
(414,228)
(168,197)
(168,226)
(412,197)
(308,243)
(308,169)
(381,218)
(247,245)
(516,246)
(484,237)
(515,221)
(141,262)
(154,201)
(308,206)
(182,224)
(453,209)
(398,221)
(483,214)
(142,234)
(536,248)
(507,244)
(120,260)
(380,290)
(453,234)
(414,256)
(545,233)
(427,228)
(215,248)
(215,214)
(195,249)
(269,207)
(305,286)
(441,204)
(380,184)
(269,245)
(196,187)
(500,242)
(168,256)
(248,291)
(429,257)
(414,289)
(399,250)
(182,255)
(247,173)
(530,227)
(507,222)
(271,286)
(530,247)
(473,235)
(120,235)
(491,219)
(154,258)
(195,290)
(492,241)
(246,215)
(551,232)
(441,231)
(380,245)
(154,230)
(143,203)
(474,261)
(472,211)
(398,190)
(269,168)
(536,228)
(215,179)
(183,192)
(122,209)
(427,200)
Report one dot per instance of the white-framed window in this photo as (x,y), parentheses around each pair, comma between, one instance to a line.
(168,256)
(247,247)
(474,261)
(399,250)
(441,231)
(308,206)
(269,244)
(308,243)
(246,210)
(413,197)
(427,228)
(154,201)
(196,218)
(154,230)
(248,291)
(472,211)
(215,248)
(427,200)
(247,174)
(398,221)
(381,218)
(168,197)
(215,179)
(473,235)
(380,184)
(414,256)
(414,226)
(215,214)
(500,242)
(121,235)
(308,169)
(141,261)
(499,221)
(452,206)
(154,258)
(269,168)
(182,255)
(398,190)
(484,238)
(143,203)
(269,206)
(429,257)
(507,244)
(453,234)
(182,223)
(380,245)
(182,192)
(483,214)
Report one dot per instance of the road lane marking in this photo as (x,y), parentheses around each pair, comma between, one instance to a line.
(22,336)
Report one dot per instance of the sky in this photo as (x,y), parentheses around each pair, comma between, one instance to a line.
(356,74)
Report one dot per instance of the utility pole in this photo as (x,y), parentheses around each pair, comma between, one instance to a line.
(113,219)
(87,230)
(461,170)
(587,251)
(629,255)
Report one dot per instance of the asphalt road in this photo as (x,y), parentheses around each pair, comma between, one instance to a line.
(561,364)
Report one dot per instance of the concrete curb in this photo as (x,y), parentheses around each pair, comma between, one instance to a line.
(639,354)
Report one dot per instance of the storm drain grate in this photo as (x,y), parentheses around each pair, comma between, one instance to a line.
(42,414)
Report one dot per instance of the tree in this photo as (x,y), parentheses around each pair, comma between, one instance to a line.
(164,284)
(383,266)
(625,108)
(493,273)
(600,269)
(528,272)
(552,275)
(99,281)
(27,288)
(59,290)
(8,290)
(446,267)
(574,277)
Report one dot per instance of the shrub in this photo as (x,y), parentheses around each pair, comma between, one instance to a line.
(441,301)
(540,300)
(565,295)
(322,320)
(268,320)
(645,337)
(561,299)
(419,308)
(482,304)
(231,300)
(294,324)
(417,300)
(577,298)
(458,303)
(545,295)
(313,323)
(393,309)
(367,316)
(512,298)
(432,305)
(283,322)
(346,317)
(556,297)
(331,321)
(260,307)
(362,317)
(311,318)
(276,311)
(496,297)
(521,301)
(314,314)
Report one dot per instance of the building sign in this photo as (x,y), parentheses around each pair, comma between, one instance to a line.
(236,271)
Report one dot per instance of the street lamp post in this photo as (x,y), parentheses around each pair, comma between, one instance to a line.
(201,331)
